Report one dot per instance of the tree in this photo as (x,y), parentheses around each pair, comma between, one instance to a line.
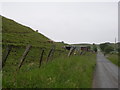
(104,45)
(94,48)
(108,49)
(63,42)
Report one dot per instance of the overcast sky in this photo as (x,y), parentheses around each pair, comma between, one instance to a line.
(71,22)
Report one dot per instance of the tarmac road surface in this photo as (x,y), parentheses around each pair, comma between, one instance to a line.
(106,73)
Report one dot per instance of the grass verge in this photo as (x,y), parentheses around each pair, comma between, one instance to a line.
(113,58)
(62,72)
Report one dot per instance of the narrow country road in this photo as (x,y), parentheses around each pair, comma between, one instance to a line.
(106,73)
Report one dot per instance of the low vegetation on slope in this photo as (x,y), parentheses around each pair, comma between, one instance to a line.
(19,36)
(62,72)
(32,58)
(16,34)
(111,51)
(113,58)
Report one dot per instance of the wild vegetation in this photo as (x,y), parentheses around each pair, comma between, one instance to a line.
(18,35)
(94,47)
(113,58)
(61,71)
(106,48)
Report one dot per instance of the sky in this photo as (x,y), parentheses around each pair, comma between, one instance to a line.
(71,22)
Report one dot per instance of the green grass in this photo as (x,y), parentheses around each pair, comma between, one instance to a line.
(0,79)
(113,58)
(19,36)
(32,57)
(62,72)
(16,34)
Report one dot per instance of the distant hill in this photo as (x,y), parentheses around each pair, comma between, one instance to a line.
(82,44)
(17,34)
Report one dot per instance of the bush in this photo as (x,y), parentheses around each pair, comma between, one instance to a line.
(103,46)
(94,48)
(108,49)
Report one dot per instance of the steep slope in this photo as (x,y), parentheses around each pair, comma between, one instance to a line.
(19,37)
(14,33)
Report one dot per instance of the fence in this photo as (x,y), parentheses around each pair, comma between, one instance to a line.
(7,52)
(49,55)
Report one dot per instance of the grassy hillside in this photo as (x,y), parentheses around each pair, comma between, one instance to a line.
(59,72)
(19,35)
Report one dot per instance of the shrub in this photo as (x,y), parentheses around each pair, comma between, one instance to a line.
(94,48)
(103,46)
(108,49)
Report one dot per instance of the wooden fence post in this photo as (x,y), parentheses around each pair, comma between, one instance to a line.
(24,56)
(41,58)
(71,51)
(5,56)
(50,53)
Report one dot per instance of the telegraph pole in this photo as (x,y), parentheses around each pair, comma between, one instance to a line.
(115,40)
(115,44)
